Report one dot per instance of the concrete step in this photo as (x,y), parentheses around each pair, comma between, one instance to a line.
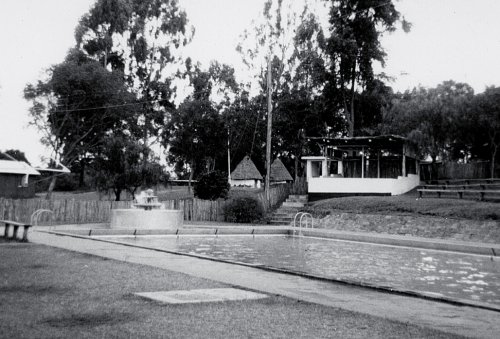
(283,215)
(298,196)
(298,199)
(281,218)
(293,204)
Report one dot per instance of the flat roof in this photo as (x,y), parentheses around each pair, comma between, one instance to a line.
(379,141)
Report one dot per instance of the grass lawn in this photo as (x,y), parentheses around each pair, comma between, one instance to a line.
(52,293)
(409,204)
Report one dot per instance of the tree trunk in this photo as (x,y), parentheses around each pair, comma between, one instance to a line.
(118,193)
(353,84)
(493,158)
(296,167)
(434,174)
(51,187)
(81,181)
(190,179)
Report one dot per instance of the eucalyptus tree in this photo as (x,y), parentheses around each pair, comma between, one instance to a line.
(291,36)
(120,168)
(430,117)
(78,104)
(195,134)
(352,46)
(143,38)
(484,124)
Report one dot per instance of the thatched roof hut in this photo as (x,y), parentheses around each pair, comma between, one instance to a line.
(246,174)
(279,173)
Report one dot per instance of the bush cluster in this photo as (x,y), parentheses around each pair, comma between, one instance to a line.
(244,209)
(211,186)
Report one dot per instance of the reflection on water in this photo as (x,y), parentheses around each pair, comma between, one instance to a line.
(449,274)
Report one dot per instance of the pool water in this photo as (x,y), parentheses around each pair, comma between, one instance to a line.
(448,274)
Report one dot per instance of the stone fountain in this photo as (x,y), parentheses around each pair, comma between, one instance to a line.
(147,213)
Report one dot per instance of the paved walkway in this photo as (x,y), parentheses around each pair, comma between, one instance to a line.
(461,320)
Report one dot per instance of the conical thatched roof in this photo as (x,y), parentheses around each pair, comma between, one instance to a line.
(246,170)
(279,171)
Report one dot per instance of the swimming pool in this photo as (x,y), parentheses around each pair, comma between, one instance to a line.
(447,274)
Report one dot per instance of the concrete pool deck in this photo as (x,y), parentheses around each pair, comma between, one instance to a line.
(462,320)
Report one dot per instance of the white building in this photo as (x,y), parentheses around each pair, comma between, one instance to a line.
(379,165)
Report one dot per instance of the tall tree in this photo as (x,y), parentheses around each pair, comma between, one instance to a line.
(79,104)
(196,136)
(356,27)
(119,167)
(143,38)
(14,154)
(429,117)
(245,120)
(485,116)
(290,33)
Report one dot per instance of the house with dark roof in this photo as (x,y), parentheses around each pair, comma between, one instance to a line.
(279,173)
(14,179)
(246,174)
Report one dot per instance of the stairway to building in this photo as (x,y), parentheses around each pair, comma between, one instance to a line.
(286,212)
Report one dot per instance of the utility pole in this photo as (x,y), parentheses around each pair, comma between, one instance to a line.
(228,159)
(269,128)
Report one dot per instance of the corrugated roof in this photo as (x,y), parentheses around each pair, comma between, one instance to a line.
(17,167)
(246,170)
(279,171)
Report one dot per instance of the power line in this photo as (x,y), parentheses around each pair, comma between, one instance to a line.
(118,105)
(110,106)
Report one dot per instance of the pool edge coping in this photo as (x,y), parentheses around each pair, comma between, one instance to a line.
(486,249)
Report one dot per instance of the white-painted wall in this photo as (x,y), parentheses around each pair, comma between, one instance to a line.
(363,185)
(250,183)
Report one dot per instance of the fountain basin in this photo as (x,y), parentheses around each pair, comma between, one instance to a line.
(146,219)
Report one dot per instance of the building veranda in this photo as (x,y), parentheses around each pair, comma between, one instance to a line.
(371,165)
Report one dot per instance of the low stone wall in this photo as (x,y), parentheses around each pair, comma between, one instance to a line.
(429,227)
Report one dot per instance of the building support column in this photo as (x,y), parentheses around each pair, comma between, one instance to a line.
(324,168)
(378,164)
(308,170)
(404,161)
(363,163)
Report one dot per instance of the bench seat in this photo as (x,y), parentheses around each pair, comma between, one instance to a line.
(459,192)
(15,225)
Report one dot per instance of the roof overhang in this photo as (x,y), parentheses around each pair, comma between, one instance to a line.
(17,167)
(60,168)
(377,142)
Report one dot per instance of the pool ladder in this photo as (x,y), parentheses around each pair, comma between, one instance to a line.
(303,217)
(37,214)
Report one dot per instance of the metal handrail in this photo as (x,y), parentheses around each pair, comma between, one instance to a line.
(295,218)
(35,215)
(302,216)
(306,215)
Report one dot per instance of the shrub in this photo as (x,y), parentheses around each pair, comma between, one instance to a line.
(244,209)
(211,186)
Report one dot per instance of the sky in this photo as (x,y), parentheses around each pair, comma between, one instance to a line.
(449,40)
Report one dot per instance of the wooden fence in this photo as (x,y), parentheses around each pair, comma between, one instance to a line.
(63,211)
(86,212)
(452,170)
